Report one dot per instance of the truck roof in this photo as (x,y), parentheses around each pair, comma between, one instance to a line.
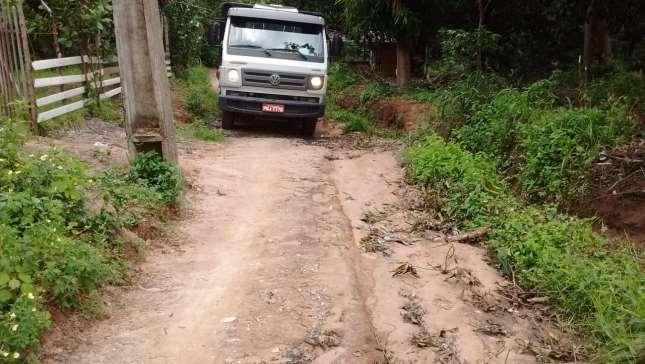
(272,12)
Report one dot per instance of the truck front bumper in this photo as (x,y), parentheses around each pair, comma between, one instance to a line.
(253,106)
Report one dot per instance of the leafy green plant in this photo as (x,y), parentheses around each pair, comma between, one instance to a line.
(559,145)
(373,91)
(198,129)
(54,247)
(352,122)
(201,100)
(341,77)
(561,257)
(459,48)
(149,169)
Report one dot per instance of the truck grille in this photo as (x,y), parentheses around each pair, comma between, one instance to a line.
(288,81)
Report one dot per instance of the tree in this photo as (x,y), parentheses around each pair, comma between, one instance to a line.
(399,20)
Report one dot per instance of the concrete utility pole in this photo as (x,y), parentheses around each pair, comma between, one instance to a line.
(148,105)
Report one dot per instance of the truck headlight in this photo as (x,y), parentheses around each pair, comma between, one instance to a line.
(316,82)
(233,76)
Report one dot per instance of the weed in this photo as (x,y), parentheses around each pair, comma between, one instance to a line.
(353,122)
(554,255)
(149,169)
(558,146)
(373,91)
(201,100)
(341,77)
(198,129)
(53,246)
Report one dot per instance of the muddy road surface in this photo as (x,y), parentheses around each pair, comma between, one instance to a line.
(272,267)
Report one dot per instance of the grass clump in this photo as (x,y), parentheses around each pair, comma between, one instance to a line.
(149,169)
(558,146)
(373,91)
(341,77)
(561,257)
(201,101)
(352,121)
(198,129)
(57,227)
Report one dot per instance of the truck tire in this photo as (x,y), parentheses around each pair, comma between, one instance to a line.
(309,127)
(228,120)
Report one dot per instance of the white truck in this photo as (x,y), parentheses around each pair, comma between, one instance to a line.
(274,64)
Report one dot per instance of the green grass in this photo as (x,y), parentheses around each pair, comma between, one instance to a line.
(200,99)
(56,250)
(200,130)
(601,288)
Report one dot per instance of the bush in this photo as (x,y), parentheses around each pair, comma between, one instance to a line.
(558,146)
(53,247)
(198,129)
(619,84)
(373,91)
(459,48)
(201,100)
(352,122)
(554,255)
(341,77)
(149,169)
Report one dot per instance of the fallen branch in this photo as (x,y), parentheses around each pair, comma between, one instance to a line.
(470,237)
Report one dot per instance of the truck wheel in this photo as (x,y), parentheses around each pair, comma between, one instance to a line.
(228,120)
(309,127)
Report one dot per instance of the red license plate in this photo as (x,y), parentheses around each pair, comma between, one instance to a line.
(272,108)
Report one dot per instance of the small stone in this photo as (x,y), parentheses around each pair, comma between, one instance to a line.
(101,145)
(228,320)
(275,350)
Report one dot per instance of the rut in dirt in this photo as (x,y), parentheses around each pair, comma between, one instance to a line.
(265,274)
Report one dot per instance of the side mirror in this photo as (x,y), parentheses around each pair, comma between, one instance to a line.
(215,32)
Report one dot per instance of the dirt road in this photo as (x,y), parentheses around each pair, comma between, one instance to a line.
(271,267)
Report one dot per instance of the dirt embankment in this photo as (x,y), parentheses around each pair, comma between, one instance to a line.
(618,192)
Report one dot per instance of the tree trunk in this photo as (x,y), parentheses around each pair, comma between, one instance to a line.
(597,45)
(403,72)
(482,6)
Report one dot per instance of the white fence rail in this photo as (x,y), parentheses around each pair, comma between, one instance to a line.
(109,86)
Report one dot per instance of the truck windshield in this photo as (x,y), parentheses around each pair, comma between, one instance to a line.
(277,39)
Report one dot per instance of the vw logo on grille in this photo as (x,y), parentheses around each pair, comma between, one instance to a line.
(274,79)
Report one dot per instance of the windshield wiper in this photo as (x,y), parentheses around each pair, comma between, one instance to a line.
(251,46)
(290,51)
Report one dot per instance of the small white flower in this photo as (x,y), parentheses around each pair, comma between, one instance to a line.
(1,160)
(10,172)
(48,221)
(14,327)
(58,240)
(33,309)
(12,315)
(16,355)
(5,354)
(91,181)
(18,172)
(44,157)
(31,156)
(30,296)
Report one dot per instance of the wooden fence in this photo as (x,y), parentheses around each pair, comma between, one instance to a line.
(51,87)
(15,61)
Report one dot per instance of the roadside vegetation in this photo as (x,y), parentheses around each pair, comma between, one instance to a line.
(61,230)
(515,158)
(201,104)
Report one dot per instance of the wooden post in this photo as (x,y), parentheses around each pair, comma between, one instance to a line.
(148,106)
(26,58)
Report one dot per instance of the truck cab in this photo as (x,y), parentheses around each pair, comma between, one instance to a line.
(274,64)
